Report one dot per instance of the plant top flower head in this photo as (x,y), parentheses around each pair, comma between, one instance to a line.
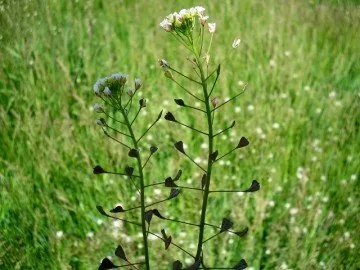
(111,85)
(183,21)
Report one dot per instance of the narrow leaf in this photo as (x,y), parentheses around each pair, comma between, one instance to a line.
(178,175)
(232,124)
(243,142)
(159,116)
(214,155)
(169,182)
(120,253)
(177,265)
(180,146)
(226,225)
(174,193)
(107,264)
(157,213)
(243,232)
(170,117)
(101,210)
(117,209)
(255,186)
(133,153)
(218,70)
(180,102)
(98,170)
(167,239)
(240,265)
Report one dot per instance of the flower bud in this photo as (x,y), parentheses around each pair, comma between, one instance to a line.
(97,108)
(130,92)
(203,20)
(168,74)
(163,63)
(236,43)
(107,91)
(212,27)
(207,58)
(215,102)
(137,84)
(101,122)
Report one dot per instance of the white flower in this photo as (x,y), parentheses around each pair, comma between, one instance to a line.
(293,211)
(107,91)
(90,235)
(166,25)
(97,108)
(137,83)
(212,27)
(59,234)
(98,85)
(199,9)
(236,43)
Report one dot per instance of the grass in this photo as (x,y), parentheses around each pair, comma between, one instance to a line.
(300,113)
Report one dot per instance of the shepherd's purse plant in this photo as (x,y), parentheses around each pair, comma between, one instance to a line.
(120,110)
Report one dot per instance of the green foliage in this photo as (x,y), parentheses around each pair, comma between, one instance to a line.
(301,110)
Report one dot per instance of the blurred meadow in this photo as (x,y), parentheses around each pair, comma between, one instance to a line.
(301,113)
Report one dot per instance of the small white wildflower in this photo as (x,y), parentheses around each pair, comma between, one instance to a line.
(283,266)
(130,92)
(268,252)
(107,91)
(272,63)
(212,27)
(276,126)
(271,203)
(117,224)
(166,25)
(59,234)
(188,260)
(99,221)
(332,94)
(97,108)
(90,235)
(287,205)
(236,43)
(347,235)
(192,246)
(237,109)
(307,88)
(137,84)
(203,20)
(287,53)
(250,107)
(294,211)
(353,177)
(352,245)
(204,146)
(318,110)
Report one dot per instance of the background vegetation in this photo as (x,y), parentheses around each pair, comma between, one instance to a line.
(301,114)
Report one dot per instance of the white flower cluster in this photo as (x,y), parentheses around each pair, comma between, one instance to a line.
(184,19)
(106,85)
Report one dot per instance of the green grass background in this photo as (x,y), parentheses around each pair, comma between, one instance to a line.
(301,60)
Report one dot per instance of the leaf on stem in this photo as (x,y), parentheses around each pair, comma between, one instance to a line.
(166,239)
(178,175)
(170,117)
(129,171)
(214,155)
(255,186)
(232,124)
(107,264)
(133,153)
(102,211)
(243,142)
(117,209)
(157,213)
(240,265)
(159,116)
(180,102)
(177,265)
(98,170)
(180,146)
(203,181)
(243,232)
(169,182)
(225,225)
(174,193)
(119,252)
(218,70)
(148,216)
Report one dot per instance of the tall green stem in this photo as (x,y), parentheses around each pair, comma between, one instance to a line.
(209,163)
(142,189)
